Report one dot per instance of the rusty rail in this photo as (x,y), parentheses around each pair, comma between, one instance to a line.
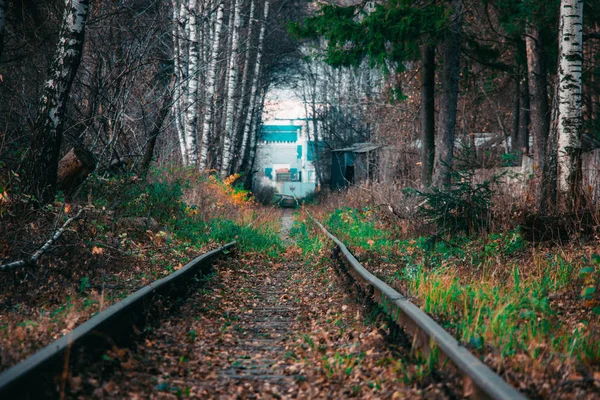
(31,377)
(479,382)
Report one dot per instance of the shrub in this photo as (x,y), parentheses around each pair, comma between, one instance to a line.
(463,207)
(159,200)
(265,195)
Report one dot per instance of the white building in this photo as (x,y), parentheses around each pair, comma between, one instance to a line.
(285,157)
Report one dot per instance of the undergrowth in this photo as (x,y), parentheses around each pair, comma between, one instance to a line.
(171,197)
(495,292)
(131,233)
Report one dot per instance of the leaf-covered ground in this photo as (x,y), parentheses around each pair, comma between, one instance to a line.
(131,233)
(267,327)
(530,312)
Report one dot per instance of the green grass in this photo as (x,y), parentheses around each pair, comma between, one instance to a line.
(308,242)
(491,291)
(162,200)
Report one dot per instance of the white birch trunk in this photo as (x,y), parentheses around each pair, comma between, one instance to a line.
(570,114)
(211,89)
(232,83)
(191,126)
(41,162)
(179,62)
(255,82)
(244,105)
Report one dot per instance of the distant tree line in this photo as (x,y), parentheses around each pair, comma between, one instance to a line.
(527,68)
(111,86)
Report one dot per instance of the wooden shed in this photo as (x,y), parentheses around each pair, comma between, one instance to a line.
(354,164)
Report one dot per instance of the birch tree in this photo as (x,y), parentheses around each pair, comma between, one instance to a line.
(254,97)
(41,161)
(570,102)
(191,126)
(228,141)
(244,102)
(211,83)
(180,67)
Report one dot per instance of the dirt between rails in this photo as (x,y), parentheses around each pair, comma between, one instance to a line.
(266,328)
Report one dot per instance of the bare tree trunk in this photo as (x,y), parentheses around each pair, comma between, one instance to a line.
(211,82)
(180,62)
(2,25)
(158,124)
(516,117)
(315,123)
(41,161)
(245,166)
(191,126)
(244,108)
(570,101)
(523,136)
(255,82)
(427,113)
(550,171)
(538,101)
(444,150)
(74,168)
(228,142)
(254,134)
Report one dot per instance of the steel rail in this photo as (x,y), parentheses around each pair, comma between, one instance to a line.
(480,382)
(26,379)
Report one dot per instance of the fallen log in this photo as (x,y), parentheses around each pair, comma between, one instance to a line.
(138,224)
(74,167)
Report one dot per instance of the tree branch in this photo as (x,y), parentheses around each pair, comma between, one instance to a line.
(593,35)
(33,259)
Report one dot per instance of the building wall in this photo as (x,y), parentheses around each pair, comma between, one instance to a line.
(274,155)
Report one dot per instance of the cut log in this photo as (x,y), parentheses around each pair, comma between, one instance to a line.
(74,167)
(138,224)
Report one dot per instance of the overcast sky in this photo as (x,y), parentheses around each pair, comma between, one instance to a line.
(282,103)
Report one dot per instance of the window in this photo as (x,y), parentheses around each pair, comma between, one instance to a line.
(284,177)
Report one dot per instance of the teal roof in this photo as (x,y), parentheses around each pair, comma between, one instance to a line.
(280,133)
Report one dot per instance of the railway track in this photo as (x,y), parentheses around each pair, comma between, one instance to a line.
(479,381)
(110,327)
(236,337)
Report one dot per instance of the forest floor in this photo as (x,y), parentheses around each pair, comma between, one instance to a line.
(267,327)
(529,311)
(275,319)
(129,235)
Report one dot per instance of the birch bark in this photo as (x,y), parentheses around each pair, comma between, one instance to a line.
(570,101)
(191,126)
(255,81)
(244,102)
(178,63)
(232,84)
(40,164)
(211,89)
